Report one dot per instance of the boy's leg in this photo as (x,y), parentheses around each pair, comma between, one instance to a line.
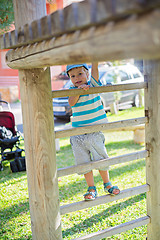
(105,178)
(82,155)
(90,182)
(89,179)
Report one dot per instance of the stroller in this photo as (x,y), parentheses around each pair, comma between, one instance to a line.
(9,139)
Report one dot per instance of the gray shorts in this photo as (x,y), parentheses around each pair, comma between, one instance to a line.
(89,147)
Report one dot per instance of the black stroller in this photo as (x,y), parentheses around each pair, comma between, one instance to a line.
(9,139)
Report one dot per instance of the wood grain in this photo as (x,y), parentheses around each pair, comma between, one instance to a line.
(77,16)
(107,42)
(36,100)
(152,133)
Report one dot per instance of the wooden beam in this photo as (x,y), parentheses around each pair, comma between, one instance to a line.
(102,89)
(77,16)
(117,229)
(110,126)
(108,42)
(103,163)
(77,206)
(152,133)
(36,100)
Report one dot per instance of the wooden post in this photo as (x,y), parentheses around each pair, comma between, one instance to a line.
(37,111)
(152,134)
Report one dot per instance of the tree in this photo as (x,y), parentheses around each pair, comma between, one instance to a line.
(6,15)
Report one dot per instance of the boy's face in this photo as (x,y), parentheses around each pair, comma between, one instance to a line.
(78,76)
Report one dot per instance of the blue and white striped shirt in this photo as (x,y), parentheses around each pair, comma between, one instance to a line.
(88,110)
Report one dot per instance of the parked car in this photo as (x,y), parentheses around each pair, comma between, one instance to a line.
(121,75)
(108,75)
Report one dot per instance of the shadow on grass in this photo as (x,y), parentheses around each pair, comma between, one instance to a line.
(7,175)
(7,214)
(24,238)
(29,237)
(14,211)
(89,222)
(73,188)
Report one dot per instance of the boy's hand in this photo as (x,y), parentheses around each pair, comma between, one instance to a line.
(84,87)
(73,99)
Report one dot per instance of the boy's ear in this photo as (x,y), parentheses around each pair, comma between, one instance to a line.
(87,72)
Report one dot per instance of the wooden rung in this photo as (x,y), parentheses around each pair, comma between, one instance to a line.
(112,88)
(105,162)
(129,128)
(101,127)
(103,199)
(117,229)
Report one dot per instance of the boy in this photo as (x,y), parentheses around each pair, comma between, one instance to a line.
(88,110)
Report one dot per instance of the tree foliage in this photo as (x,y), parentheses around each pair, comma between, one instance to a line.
(6,15)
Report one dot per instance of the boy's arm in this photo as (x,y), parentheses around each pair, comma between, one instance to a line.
(94,71)
(73,100)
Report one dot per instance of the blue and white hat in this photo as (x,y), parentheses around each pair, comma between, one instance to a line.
(69,67)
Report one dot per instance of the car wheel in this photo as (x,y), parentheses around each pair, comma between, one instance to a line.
(137,102)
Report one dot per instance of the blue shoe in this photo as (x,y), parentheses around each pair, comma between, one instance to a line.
(111,189)
(92,194)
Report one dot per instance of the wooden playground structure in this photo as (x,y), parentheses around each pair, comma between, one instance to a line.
(97,30)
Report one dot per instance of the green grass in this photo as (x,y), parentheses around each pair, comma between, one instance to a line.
(14,206)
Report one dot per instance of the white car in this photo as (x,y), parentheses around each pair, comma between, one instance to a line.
(122,75)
